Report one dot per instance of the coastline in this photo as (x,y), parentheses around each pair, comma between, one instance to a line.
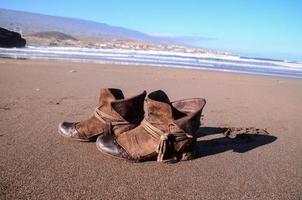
(210,62)
(37,162)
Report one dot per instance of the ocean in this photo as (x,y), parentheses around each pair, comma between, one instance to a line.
(212,62)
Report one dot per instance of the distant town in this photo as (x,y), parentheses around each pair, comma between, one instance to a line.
(58,39)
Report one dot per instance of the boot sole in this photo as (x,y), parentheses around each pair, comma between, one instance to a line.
(184,157)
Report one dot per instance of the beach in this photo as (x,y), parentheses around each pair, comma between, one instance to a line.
(37,163)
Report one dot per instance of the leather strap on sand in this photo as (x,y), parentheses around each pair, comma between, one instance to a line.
(232,132)
(163,138)
(108,120)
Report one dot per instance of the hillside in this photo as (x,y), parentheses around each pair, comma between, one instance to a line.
(28,23)
(52,34)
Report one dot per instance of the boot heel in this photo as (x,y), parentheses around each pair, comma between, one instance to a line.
(187,156)
(189,151)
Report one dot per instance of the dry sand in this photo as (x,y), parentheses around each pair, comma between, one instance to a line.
(37,163)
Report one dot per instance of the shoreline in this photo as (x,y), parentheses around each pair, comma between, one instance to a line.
(151,65)
(208,62)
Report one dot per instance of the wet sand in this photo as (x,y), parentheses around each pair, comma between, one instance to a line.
(37,163)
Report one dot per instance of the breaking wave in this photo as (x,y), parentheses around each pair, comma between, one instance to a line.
(161,59)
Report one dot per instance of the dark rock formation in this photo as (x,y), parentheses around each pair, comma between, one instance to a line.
(11,39)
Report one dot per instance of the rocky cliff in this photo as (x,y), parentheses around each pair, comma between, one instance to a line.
(11,39)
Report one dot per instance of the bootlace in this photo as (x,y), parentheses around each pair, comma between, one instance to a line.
(164,139)
(109,121)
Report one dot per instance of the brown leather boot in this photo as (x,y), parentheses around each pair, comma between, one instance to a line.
(114,114)
(166,133)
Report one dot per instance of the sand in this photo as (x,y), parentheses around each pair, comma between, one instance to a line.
(37,163)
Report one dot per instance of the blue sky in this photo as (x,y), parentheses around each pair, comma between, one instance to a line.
(263,28)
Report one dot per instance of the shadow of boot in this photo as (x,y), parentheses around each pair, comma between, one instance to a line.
(240,144)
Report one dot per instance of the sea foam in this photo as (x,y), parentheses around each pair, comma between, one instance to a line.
(204,61)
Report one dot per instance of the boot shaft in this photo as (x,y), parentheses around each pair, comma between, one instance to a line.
(185,113)
(114,114)
(113,102)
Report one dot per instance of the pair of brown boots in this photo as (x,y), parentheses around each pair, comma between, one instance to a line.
(165,133)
